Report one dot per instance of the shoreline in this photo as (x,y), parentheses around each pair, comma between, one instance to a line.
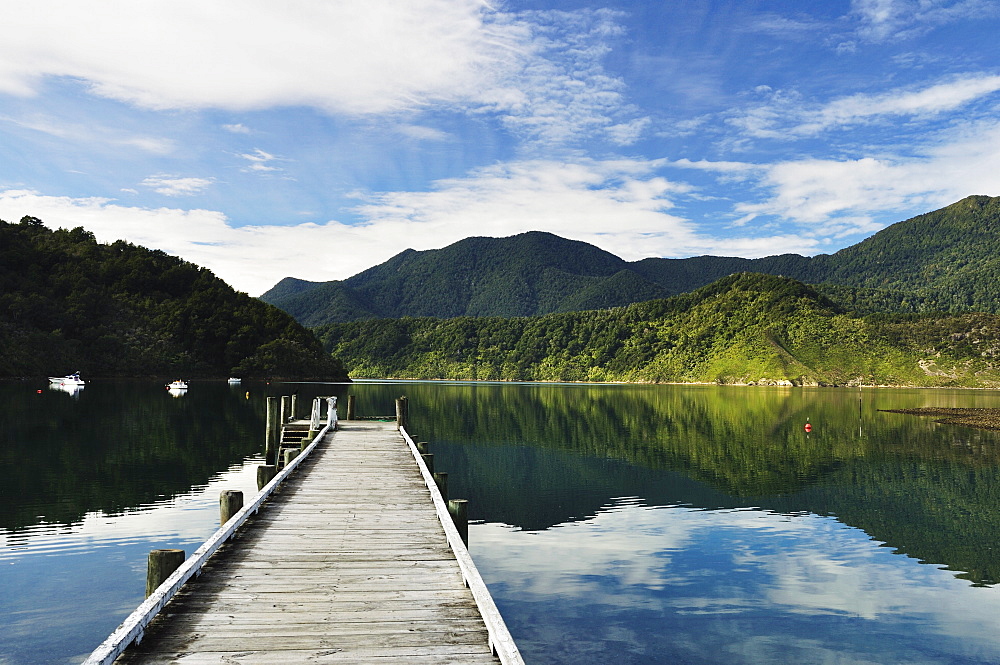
(979,418)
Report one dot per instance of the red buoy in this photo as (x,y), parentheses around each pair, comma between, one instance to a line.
(809,427)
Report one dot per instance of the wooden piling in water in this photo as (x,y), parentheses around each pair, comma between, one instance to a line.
(402,412)
(159,565)
(230,503)
(286,411)
(429,461)
(265,474)
(271,433)
(441,480)
(459,509)
(350,407)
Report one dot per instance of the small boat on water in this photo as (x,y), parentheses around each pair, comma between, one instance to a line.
(69,380)
(179,384)
(233,380)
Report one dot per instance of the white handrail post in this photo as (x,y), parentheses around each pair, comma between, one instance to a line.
(314,421)
(331,412)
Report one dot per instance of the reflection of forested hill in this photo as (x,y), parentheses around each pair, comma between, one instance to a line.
(557,455)
(70,303)
(73,458)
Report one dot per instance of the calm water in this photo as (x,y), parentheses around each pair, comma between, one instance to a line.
(625,524)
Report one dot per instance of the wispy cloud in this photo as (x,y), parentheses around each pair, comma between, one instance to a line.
(94,135)
(260,162)
(562,92)
(237,128)
(175,186)
(788,115)
(422,133)
(887,20)
(822,193)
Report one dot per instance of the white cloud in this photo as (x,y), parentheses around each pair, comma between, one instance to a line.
(95,135)
(786,114)
(353,56)
(886,20)
(932,100)
(260,161)
(816,192)
(175,186)
(542,71)
(562,92)
(620,205)
(422,133)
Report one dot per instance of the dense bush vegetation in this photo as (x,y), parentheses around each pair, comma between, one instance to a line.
(745,328)
(70,303)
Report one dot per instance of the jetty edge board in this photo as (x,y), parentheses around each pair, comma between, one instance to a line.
(348,562)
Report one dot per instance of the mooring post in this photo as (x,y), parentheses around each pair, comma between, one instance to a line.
(286,410)
(293,409)
(459,509)
(230,502)
(265,474)
(441,478)
(428,461)
(350,407)
(290,454)
(159,566)
(269,437)
(400,412)
(423,448)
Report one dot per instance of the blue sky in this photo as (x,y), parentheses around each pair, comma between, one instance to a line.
(316,139)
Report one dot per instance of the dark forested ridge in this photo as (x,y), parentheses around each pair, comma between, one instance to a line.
(70,303)
(524,275)
(744,328)
(946,260)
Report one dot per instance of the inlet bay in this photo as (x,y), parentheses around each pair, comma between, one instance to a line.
(613,523)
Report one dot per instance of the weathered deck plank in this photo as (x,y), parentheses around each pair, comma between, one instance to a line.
(347,564)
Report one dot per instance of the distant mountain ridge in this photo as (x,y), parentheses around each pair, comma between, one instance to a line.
(946,260)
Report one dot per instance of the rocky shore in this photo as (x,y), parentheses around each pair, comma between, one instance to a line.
(980,418)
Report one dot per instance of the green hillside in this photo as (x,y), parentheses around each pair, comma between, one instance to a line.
(524,275)
(744,328)
(947,260)
(70,303)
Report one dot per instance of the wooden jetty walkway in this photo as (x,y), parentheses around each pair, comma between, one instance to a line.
(352,559)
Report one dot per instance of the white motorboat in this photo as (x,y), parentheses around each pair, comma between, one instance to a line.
(179,384)
(233,380)
(70,380)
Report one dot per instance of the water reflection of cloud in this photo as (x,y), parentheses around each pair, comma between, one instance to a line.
(758,586)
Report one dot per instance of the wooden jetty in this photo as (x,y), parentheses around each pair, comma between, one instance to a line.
(349,556)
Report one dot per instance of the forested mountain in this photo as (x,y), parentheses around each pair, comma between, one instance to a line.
(947,260)
(523,275)
(70,303)
(744,328)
